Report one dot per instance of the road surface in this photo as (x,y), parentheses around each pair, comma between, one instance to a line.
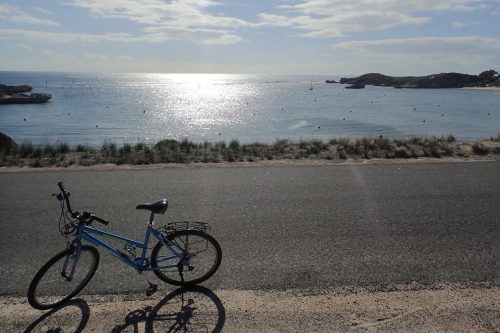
(280,227)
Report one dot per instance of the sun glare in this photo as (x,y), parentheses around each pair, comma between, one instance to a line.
(204,104)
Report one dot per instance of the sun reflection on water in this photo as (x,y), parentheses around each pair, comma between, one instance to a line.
(204,104)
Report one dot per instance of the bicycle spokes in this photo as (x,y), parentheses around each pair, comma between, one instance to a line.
(187,257)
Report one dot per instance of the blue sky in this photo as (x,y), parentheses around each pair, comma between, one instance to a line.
(334,37)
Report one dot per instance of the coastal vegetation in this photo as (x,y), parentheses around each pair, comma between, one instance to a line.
(185,151)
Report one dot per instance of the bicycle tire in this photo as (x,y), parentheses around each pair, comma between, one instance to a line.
(188,277)
(41,296)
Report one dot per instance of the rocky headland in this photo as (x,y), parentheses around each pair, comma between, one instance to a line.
(17,95)
(489,78)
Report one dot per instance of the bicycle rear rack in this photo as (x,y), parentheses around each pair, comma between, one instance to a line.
(186,225)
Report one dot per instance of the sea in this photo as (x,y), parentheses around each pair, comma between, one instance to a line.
(95,108)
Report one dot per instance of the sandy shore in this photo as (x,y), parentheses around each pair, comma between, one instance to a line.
(450,308)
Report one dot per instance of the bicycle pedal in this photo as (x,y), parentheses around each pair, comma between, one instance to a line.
(151,289)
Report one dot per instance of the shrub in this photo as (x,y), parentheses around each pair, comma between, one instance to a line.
(80,148)
(450,138)
(382,143)
(167,144)
(333,141)
(127,149)
(234,145)
(63,148)
(480,149)
(401,153)
(109,149)
(342,153)
(139,146)
(26,149)
(35,163)
(434,151)
(416,141)
(37,153)
(497,138)
(186,146)
(447,151)
(50,151)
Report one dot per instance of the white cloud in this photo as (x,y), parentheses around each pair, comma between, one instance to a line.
(153,35)
(461,24)
(462,44)
(202,36)
(13,14)
(24,47)
(334,18)
(104,57)
(179,20)
(426,54)
(63,37)
(43,11)
(51,54)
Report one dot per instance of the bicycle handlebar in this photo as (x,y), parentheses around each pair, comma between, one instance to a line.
(66,197)
(86,217)
(98,219)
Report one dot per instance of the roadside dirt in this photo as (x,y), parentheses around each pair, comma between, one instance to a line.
(264,163)
(443,309)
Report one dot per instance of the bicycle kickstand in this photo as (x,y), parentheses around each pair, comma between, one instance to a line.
(152,287)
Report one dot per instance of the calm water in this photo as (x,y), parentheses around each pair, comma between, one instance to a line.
(90,108)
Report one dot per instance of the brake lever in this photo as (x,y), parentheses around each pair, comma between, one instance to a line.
(58,196)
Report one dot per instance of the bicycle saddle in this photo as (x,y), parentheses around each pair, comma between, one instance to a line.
(159,207)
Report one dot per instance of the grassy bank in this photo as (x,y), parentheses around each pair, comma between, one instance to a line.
(185,151)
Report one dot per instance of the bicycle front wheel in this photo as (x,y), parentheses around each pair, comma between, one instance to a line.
(54,285)
(191,257)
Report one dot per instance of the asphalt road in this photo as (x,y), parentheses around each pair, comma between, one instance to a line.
(279,227)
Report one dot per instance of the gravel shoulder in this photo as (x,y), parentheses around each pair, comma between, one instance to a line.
(446,308)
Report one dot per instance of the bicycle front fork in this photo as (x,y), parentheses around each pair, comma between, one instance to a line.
(72,259)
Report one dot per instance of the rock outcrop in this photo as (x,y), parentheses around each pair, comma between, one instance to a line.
(6,143)
(488,78)
(15,95)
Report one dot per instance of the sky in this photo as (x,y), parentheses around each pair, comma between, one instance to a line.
(313,37)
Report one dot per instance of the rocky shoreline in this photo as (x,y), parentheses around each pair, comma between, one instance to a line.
(489,78)
(17,95)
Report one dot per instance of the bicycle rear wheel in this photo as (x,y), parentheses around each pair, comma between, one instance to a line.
(51,286)
(201,256)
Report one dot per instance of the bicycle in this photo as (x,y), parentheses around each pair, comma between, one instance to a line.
(185,254)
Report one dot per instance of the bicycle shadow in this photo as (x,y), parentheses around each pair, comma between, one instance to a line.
(45,318)
(187,309)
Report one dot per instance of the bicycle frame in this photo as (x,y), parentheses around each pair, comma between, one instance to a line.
(140,263)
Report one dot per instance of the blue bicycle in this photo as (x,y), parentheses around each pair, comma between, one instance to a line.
(184,255)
